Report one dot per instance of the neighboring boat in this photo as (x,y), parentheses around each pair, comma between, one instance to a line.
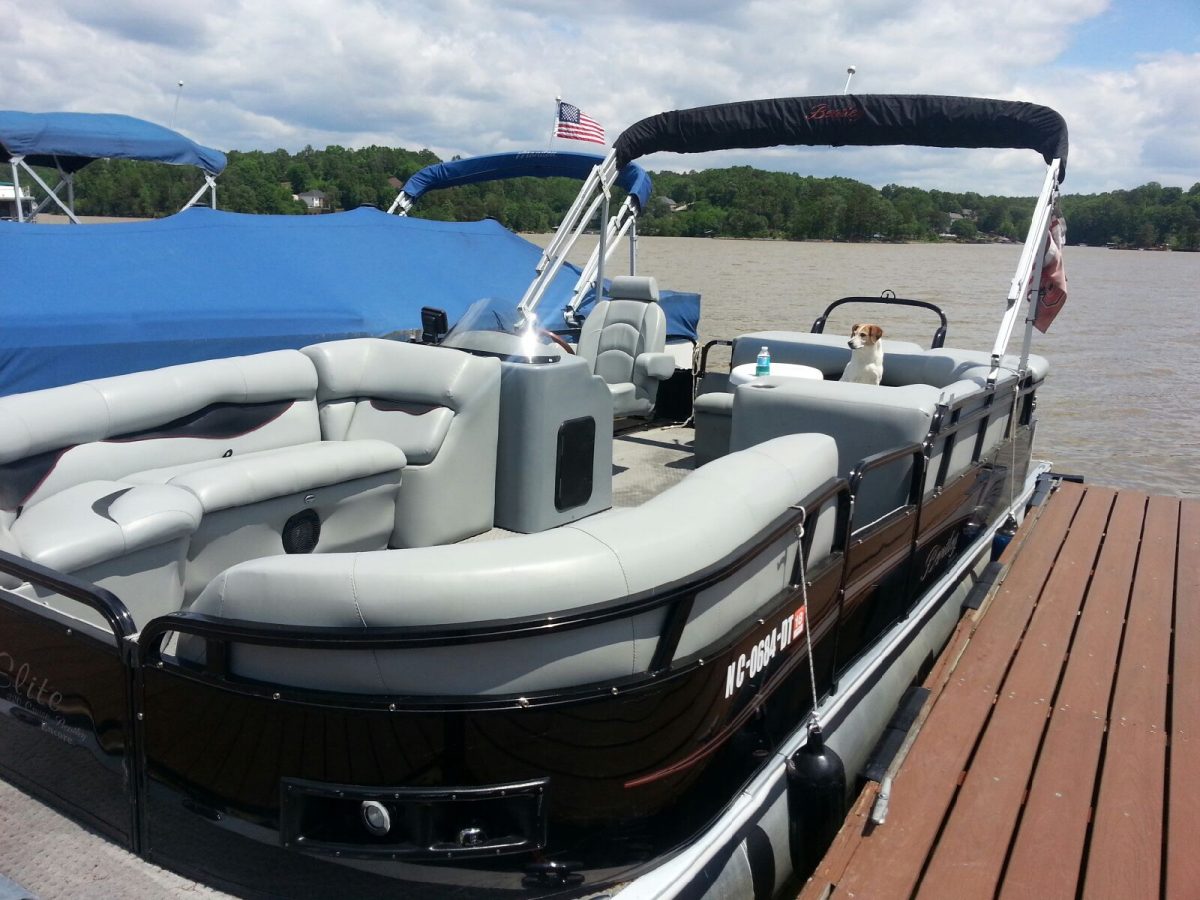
(202,284)
(68,141)
(91,301)
(379,616)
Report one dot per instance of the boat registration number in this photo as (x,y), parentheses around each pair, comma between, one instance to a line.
(756,659)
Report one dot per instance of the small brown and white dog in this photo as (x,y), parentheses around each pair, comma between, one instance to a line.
(866,355)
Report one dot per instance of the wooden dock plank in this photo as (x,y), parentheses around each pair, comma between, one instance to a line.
(1125,850)
(838,858)
(841,852)
(1053,826)
(971,851)
(1111,771)
(925,786)
(1183,824)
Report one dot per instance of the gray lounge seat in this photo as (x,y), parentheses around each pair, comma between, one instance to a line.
(868,419)
(713,409)
(248,502)
(703,520)
(623,340)
(149,483)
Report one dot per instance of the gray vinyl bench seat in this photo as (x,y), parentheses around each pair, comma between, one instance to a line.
(440,406)
(249,501)
(862,419)
(89,523)
(150,484)
(267,474)
(98,520)
(693,525)
(714,400)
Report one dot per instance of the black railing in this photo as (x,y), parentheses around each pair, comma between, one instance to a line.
(123,627)
(888,298)
(114,612)
(703,370)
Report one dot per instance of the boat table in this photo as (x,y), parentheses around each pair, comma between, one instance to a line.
(744,373)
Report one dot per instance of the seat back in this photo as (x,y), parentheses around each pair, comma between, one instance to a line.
(619,330)
(108,428)
(440,406)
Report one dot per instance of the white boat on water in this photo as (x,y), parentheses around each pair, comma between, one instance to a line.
(366,615)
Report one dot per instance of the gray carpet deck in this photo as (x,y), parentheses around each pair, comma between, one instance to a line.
(51,857)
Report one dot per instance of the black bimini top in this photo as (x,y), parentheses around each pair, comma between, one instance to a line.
(862,119)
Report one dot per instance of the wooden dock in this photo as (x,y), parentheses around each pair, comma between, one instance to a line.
(1059,749)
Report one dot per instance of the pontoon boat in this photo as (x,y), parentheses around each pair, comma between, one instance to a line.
(375,616)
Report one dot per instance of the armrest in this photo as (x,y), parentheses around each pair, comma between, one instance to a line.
(654,365)
(100,520)
(267,474)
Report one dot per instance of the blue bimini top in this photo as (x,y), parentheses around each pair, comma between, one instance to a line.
(535,164)
(72,140)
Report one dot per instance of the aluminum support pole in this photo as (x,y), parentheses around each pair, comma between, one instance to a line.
(1028,268)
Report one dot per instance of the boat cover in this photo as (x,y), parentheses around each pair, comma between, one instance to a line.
(95,300)
(536,164)
(72,140)
(88,301)
(863,119)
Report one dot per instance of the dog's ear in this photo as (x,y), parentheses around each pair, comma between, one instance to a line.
(876,332)
(854,328)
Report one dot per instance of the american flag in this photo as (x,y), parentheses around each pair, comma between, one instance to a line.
(574,125)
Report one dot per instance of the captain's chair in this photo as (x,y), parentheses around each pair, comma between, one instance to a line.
(623,340)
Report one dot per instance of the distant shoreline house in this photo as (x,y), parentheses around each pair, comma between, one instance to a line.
(314,201)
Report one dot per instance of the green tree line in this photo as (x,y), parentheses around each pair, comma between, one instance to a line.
(738,202)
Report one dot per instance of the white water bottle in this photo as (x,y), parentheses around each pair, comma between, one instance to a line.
(762,365)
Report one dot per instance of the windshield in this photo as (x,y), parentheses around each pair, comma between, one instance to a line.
(495,328)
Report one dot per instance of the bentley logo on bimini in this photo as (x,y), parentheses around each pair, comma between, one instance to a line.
(759,656)
(825,111)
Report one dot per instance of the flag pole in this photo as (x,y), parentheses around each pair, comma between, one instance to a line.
(554,127)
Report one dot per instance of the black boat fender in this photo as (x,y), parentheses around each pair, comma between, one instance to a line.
(816,788)
(1003,536)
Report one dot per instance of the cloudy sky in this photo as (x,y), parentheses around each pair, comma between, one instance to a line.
(475,76)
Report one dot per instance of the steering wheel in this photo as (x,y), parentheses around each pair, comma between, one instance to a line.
(557,339)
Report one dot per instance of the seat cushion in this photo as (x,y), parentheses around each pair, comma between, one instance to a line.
(624,398)
(616,332)
(255,477)
(419,430)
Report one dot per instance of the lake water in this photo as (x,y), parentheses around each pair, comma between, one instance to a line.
(1121,405)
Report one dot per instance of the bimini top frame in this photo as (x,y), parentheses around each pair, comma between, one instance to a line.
(878,120)
(69,141)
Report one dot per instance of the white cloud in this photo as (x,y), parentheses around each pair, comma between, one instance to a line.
(470,76)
